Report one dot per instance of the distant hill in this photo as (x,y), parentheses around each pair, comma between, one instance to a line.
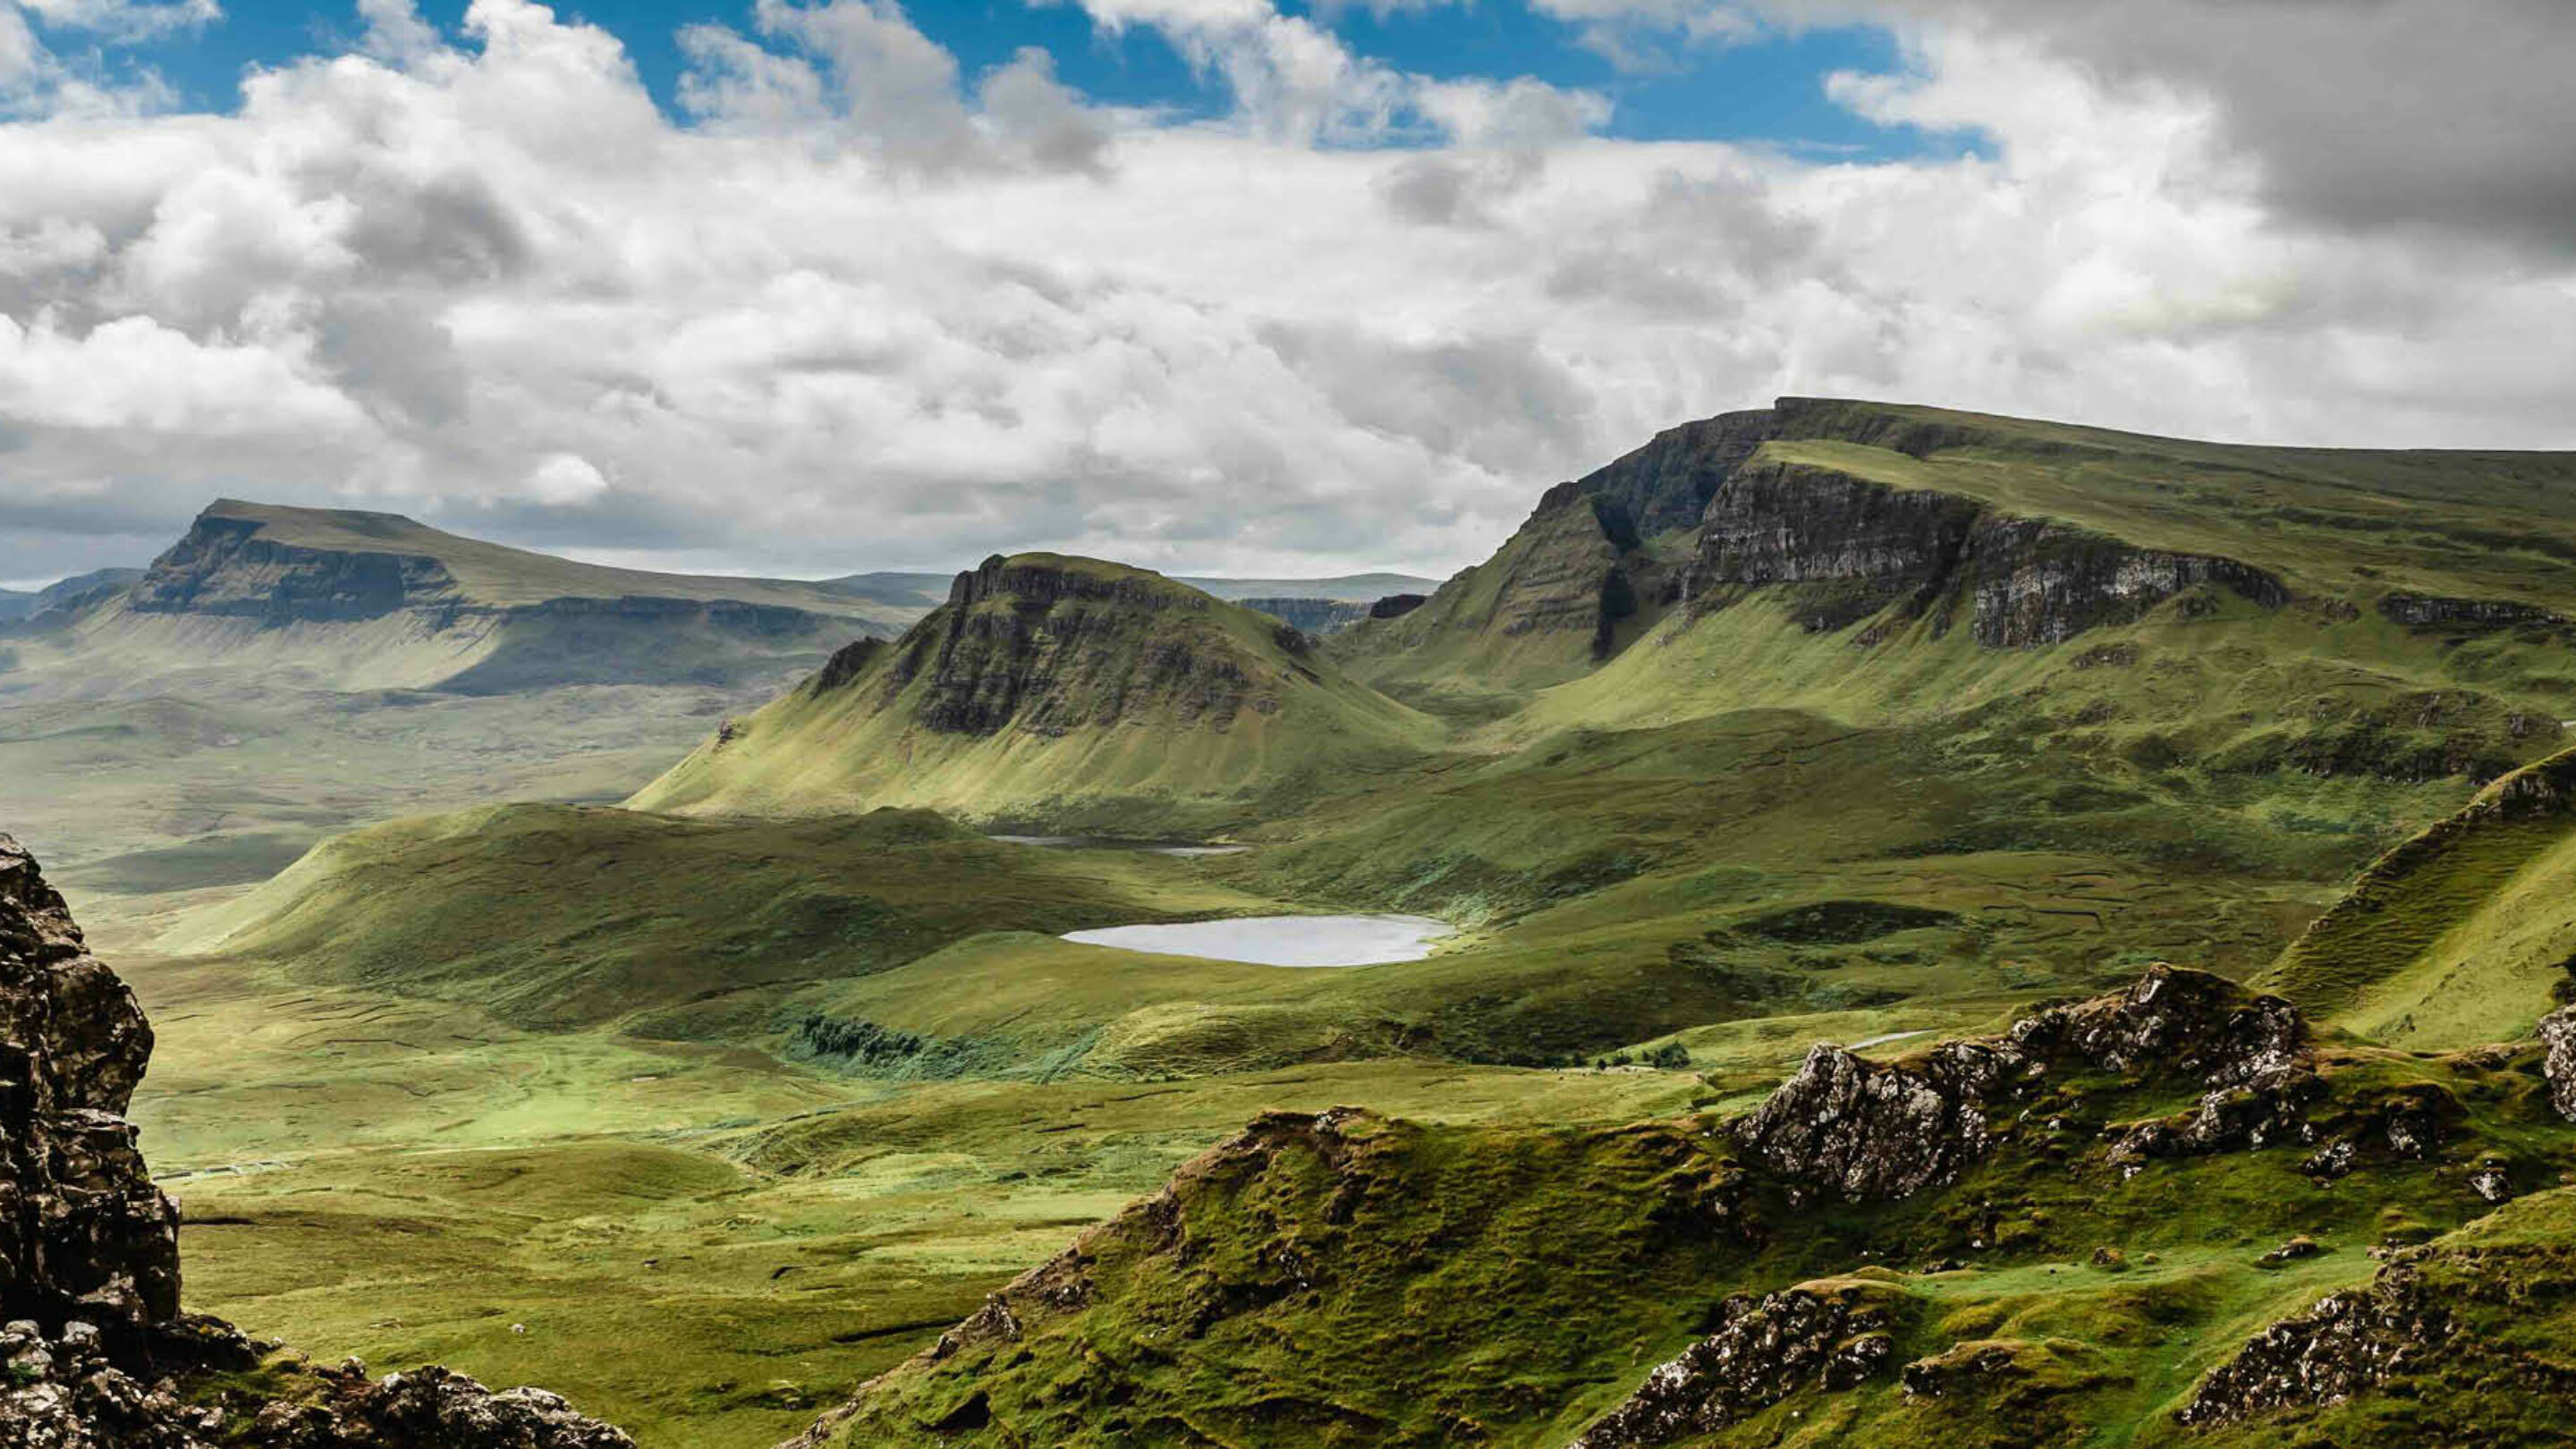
(17,605)
(1058,687)
(927,590)
(341,599)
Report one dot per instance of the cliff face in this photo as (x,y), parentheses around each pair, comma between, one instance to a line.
(89,1251)
(1311,616)
(1052,647)
(224,567)
(1854,547)
(1666,484)
(82,1229)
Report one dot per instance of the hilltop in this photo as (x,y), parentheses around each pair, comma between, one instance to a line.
(340,599)
(1064,689)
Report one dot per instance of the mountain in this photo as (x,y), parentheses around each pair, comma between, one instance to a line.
(74,592)
(1862,521)
(1062,689)
(347,600)
(926,590)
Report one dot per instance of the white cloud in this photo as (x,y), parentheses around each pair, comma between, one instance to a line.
(868,310)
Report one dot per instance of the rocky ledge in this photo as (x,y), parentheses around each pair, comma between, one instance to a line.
(1867,1131)
(95,1353)
(1853,548)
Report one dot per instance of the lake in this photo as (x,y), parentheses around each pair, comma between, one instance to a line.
(1282,940)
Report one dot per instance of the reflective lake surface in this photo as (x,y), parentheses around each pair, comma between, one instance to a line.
(1282,940)
(1107,842)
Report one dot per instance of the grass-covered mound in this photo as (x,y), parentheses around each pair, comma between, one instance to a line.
(2465,932)
(2110,1237)
(564,917)
(1080,693)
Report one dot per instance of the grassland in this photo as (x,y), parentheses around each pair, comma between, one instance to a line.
(733,1110)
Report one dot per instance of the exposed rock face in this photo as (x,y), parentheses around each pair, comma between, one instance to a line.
(2558,1038)
(95,1353)
(2419,611)
(83,1232)
(1856,547)
(2347,1344)
(1050,646)
(1870,1132)
(1666,484)
(1763,1351)
(223,566)
(1396,606)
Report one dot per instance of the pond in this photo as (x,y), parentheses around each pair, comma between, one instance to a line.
(1111,842)
(1282,940)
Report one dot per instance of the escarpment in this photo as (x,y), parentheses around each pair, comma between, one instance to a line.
(95,1352)
(1047,646)
(1853,548)
(1866,1131)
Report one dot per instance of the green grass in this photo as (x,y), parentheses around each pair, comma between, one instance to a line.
(1389,1283)
(567,917)
(2461,934)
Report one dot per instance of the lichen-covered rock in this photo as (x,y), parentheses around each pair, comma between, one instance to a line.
(2345,1345)
(95,1353)
(1871,1131)
(1762,1351)
(2558,1064)
(82,1229)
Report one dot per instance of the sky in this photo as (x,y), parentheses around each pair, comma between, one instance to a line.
(809,287)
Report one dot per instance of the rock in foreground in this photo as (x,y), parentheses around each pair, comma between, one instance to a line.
(95,1353)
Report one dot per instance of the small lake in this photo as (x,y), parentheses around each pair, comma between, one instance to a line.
(1282,940)
(1106,842)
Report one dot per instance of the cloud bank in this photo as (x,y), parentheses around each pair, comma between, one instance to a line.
(856,308)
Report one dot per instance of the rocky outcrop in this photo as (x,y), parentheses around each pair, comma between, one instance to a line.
(2348,1344)
(1831,1335)
(95,1353)
(1052,645)
(224,566)
(1867,1131)
(1666,484)
(83,1232)
(2421,611)
(2558,1060)
(1396,606)
(1854,548)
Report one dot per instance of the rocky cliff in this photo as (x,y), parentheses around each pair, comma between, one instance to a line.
(1666,484)
(349,600)
(1056,690)
(1853,547)
(1315,617)
(95,1351)
(1050,646)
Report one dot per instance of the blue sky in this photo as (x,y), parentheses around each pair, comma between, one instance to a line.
(1768,90)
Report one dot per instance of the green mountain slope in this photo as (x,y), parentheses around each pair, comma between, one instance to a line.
(1964,1255)
(561,917)
(2460,935)
(1065,690)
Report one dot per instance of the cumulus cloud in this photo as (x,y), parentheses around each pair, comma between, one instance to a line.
(859,308)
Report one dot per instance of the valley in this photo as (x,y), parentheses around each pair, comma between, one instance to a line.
(1770,859)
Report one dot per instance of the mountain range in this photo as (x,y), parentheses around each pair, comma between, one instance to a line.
(1963,928)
